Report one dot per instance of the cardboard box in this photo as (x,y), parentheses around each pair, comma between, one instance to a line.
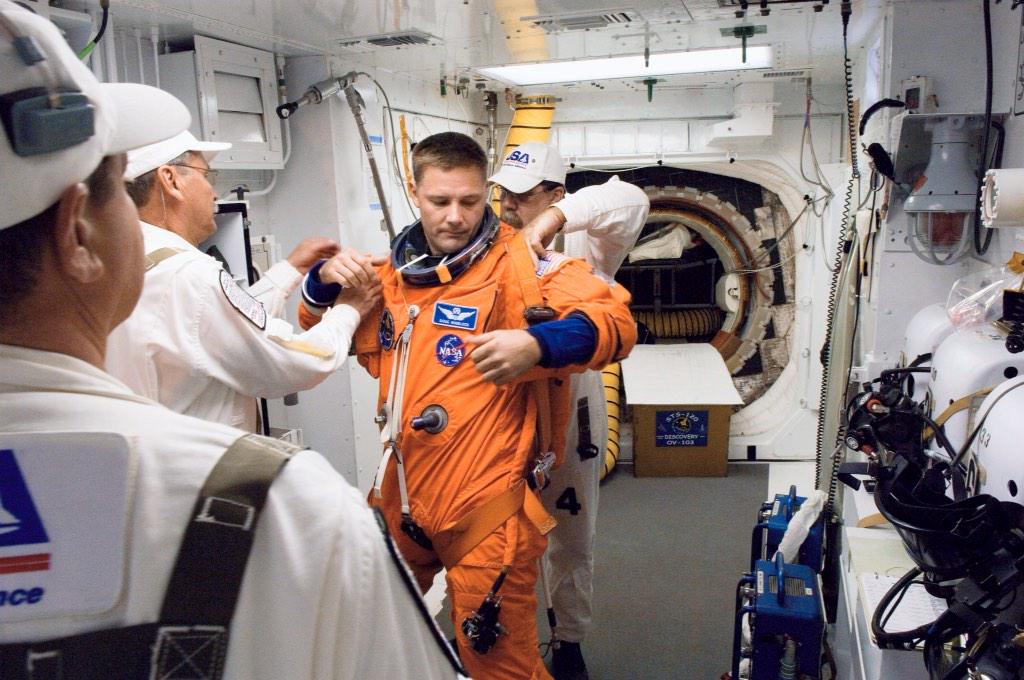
(681,398)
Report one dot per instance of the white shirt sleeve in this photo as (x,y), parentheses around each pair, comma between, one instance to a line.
(603,222)
(225,345)
(275,286)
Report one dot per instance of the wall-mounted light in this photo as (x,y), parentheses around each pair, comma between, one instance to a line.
(632,66)
(943,199)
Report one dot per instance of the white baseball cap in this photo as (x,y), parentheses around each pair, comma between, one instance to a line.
(46,148)
(141,161)
(528,165)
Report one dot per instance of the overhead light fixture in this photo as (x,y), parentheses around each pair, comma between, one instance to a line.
(608,68)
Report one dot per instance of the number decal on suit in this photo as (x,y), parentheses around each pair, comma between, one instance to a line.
(567,501)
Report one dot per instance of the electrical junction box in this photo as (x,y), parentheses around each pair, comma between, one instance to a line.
(231,91)
(682,398)
(266,252)
(918,96)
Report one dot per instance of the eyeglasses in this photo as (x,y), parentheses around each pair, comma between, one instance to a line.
(208,173)
(504,194)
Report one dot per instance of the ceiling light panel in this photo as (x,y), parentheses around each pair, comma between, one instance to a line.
(632,66)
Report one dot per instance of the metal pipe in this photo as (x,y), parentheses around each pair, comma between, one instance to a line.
(110,54)
(138,50)
(154,37)
(355,102)
(124,56)
(491,101)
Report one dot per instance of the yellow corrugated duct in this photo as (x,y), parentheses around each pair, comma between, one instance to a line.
(688,323)
(611,376)
(531,122)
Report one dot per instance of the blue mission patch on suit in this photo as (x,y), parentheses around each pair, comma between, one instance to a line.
(450,350)
(455,316)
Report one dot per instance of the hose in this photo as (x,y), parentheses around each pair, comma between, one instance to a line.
(611,377)
(689,323)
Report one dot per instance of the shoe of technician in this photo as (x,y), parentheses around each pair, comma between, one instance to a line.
(97,484)
(600,223)
(197,342)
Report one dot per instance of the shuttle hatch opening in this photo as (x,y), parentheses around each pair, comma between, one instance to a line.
(714,263)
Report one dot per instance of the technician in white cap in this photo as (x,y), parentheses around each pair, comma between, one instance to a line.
(117,560)
(601,223)
(197,342)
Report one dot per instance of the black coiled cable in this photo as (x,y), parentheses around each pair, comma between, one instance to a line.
(842,250)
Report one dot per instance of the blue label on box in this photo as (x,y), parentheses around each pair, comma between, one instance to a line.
(681,428)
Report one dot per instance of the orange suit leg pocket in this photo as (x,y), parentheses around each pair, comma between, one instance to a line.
(516,655)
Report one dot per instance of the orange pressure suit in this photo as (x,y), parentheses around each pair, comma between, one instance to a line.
(469,477)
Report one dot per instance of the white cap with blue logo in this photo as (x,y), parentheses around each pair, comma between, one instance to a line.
(528,165)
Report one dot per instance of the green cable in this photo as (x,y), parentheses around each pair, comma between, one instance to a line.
(87,50)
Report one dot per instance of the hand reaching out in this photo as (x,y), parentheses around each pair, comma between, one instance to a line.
(310,251)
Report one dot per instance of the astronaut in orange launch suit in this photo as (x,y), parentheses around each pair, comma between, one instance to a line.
(473,343)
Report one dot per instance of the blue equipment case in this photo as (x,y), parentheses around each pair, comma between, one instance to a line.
(773,519)
(784,606)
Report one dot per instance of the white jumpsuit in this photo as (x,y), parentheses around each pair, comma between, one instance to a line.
(190,348)
(321,598)
(602,224)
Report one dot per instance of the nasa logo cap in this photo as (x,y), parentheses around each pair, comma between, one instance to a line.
(528,165)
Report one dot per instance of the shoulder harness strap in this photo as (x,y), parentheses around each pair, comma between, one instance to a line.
(159,255)
(192,634)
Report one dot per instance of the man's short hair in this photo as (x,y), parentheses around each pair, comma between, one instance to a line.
(447,150)
(140,187)
(22,245)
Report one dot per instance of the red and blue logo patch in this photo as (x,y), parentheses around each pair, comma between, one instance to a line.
(450,350)
(20,523)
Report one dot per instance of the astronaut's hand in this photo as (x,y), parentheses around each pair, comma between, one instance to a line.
(310,251)
(351,269)
(541,230)
(502,356)
(363,298)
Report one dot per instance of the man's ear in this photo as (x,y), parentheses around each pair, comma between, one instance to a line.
(558,193)
(75,237)
(168,180)
(413,196)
